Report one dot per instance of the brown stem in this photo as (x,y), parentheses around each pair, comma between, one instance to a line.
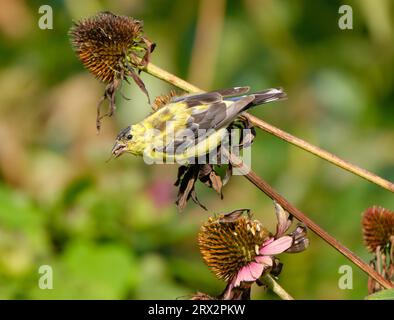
(274,195)
(323,154)
(170,78)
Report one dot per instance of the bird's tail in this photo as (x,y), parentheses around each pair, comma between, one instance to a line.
(245,102)
(266,96)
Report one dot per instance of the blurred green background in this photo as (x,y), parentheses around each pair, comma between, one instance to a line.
(111,230)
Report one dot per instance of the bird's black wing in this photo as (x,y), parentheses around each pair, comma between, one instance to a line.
(211,97)
(196,99)
(231,92)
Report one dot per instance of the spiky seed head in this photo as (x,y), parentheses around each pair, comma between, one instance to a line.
(228,245)
(105,41)
(112,48)
(161,101)
(378,227)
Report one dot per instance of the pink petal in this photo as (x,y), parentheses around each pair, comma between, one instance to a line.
(264,260)
(228,291)
(284,221)
(250,272)
(277,246)
(270,240)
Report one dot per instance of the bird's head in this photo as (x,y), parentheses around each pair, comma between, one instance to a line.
(124,142)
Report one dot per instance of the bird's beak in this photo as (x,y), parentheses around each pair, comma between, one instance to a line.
(118,149)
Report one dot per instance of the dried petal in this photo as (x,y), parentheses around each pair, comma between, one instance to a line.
(284,220)
(242,292)
(186,180)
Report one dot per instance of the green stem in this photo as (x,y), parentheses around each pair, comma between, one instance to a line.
(271,283)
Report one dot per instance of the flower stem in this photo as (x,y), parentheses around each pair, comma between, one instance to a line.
(159,73)
(323,154)
(271,283)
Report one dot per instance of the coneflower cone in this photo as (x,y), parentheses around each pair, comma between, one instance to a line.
(378,227)
(112,48)
(106,44)
(227,246)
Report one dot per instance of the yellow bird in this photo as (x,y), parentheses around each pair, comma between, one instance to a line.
(189,126)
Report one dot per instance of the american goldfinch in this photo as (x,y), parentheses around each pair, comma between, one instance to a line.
(189,126)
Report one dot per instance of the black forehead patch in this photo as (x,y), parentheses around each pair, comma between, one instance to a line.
(122,134)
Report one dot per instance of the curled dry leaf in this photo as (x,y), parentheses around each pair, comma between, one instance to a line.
(209,174)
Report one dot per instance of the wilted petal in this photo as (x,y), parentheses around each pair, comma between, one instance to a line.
(250,272)
(242,292)
(277,246)
(300,241)
(264,260)
(284,220)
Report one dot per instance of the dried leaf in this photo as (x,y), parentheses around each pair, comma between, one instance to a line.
(234,215)
(138,81)
(195,199)
(206,173)
(186,180)
(216,182)
(242,292)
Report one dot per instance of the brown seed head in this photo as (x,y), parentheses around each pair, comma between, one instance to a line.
(378,227)
(228,245)
(112,48)
(105,43)
(163,100)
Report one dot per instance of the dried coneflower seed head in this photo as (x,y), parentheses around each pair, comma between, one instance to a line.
(378,227)
(103,43)
(112,48)
(227,245)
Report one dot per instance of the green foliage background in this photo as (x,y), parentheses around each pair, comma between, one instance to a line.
(110,230)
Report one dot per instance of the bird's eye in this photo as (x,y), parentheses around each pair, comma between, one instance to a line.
(129,137)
